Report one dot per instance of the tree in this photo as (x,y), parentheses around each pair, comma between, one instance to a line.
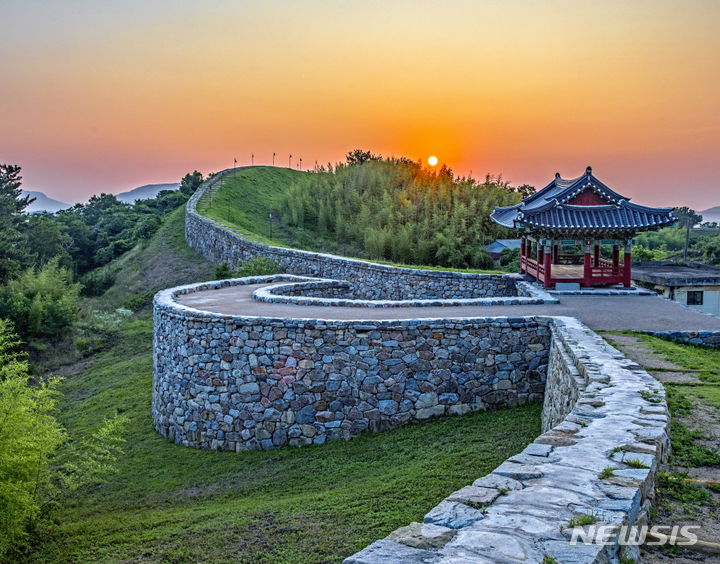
(190,182)
(688,219)
(13,246)
(38,464)
(47,239)
(525,190)
(358,157)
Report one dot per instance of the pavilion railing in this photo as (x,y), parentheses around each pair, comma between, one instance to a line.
(606,273)
(570,259)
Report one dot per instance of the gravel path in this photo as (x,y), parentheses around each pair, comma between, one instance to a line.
(634,313)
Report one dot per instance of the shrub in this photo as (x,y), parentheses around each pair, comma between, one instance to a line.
(97,282)
(29,435)
(41,302)
(258,266)
(38,465)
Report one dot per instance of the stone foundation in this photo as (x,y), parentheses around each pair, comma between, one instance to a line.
(700,338)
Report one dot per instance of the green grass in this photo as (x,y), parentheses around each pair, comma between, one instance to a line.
(709,395)
(690,357)
(686,450)
(162,262)
(246,198)
(673,488)
(168,503)
(582,520)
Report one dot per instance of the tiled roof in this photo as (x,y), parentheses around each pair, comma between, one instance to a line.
(549,209)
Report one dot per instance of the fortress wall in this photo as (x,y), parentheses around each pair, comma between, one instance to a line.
(235,383)
(228,382)
(371,281)
(606,428)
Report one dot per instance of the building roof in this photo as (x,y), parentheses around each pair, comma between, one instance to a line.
(582,204)
(499,245)
(674,275)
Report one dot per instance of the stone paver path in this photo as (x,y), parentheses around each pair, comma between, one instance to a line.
(630,313)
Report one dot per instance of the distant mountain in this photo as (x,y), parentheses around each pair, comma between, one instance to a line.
(43,203)
(145,192)
(711,214)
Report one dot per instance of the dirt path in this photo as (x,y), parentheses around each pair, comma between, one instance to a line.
(679,502)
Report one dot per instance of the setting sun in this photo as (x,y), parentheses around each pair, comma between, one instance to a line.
(433,160)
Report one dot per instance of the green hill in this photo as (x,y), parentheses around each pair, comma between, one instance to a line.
(384,211)
(249,203)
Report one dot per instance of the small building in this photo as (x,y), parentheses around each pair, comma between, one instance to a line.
(694,285)
(496,248)
(573,229)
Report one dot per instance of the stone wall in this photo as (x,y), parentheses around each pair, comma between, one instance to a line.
(235,383)
(600,459)
(371,281)
(701,338)
(337,293)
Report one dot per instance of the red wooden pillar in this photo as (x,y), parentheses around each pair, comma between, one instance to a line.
(627,266)
(522,253)
(556,254)
(549,249)
(616,256)
(596,255)
(587,266)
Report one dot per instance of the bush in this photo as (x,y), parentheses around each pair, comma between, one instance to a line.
(97,282)
(29,435)
(510,260)
(41,302)
(258,266)
(38,465)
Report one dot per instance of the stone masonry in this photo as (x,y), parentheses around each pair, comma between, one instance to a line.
(236,383)
(240,382)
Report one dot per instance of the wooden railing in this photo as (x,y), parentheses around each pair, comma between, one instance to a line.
(570,259)
(605,273)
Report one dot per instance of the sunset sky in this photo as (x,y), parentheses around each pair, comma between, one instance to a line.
(106,96)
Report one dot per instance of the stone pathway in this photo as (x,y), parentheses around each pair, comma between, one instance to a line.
(605,313)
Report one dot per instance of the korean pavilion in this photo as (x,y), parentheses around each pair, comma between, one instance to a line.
(572,230)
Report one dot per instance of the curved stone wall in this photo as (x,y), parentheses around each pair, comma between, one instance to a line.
(371,281)
(234,382)
(606,432)
(337,293)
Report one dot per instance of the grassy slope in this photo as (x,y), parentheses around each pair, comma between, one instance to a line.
(162,262)
(173,504)
(246,198)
